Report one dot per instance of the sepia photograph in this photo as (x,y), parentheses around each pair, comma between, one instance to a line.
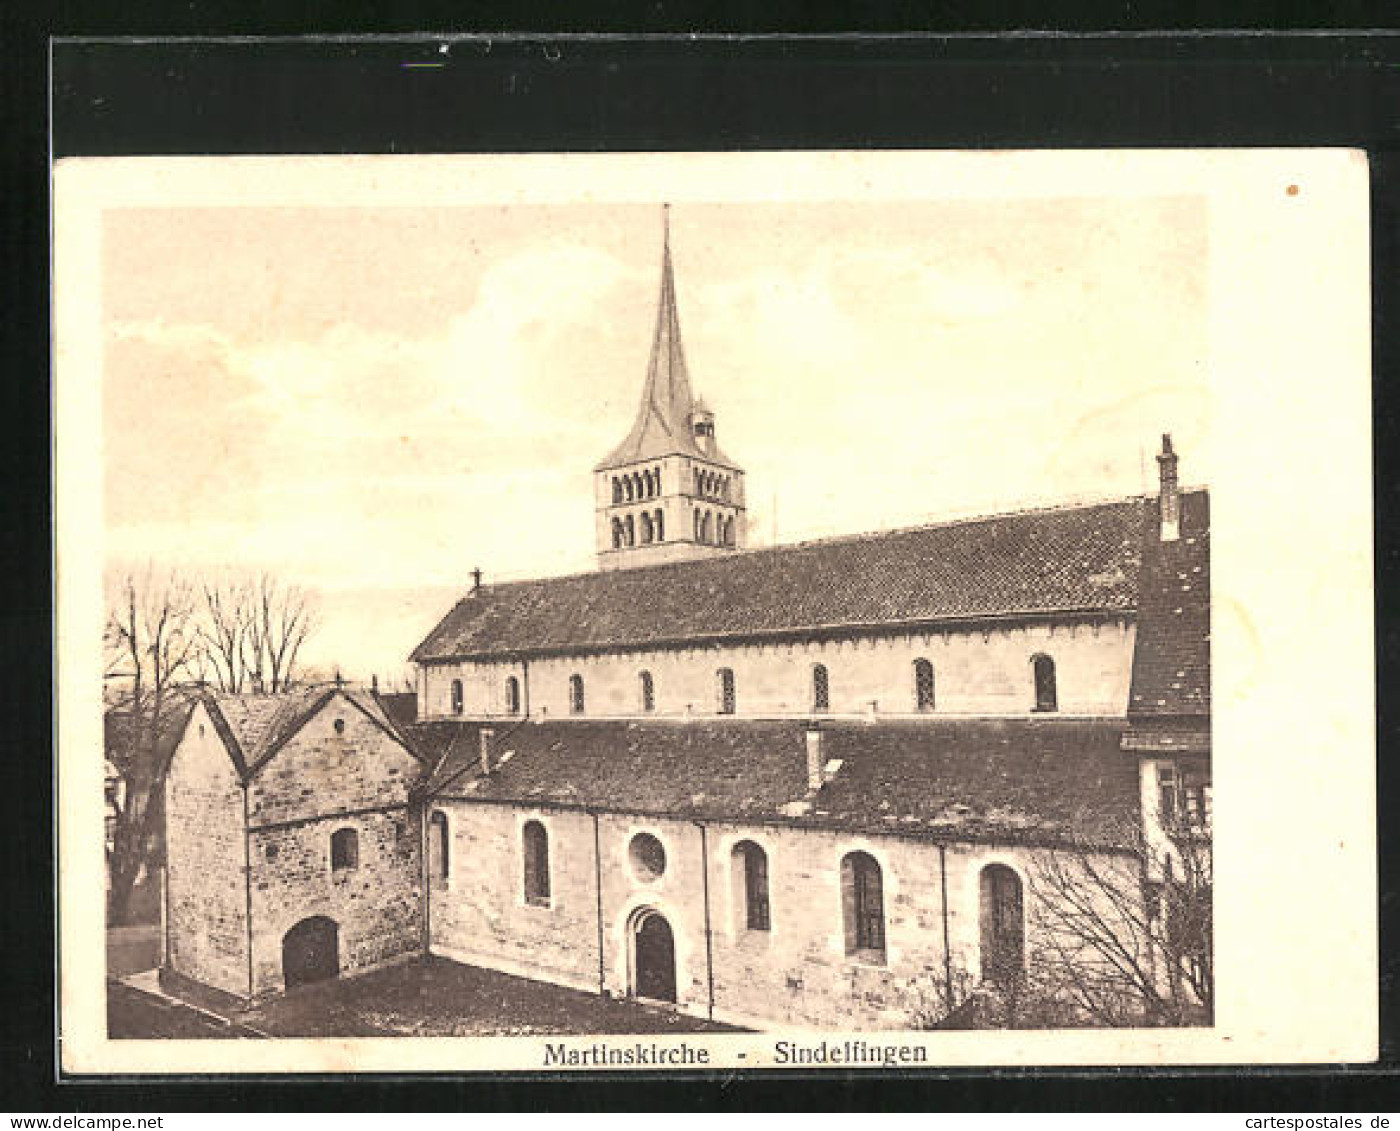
(703,610)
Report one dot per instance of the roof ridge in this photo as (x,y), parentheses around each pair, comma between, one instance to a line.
(832,539)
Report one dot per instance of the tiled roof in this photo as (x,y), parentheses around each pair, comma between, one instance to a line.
(255,727)
(1075,559)
(400,706)
(1026,781)
(1171,664)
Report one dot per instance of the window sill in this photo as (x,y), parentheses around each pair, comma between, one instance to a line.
(539,904)
(873,958)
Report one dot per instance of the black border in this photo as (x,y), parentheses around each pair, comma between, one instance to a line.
(526,93)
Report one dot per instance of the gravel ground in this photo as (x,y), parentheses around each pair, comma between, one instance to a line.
(424,997)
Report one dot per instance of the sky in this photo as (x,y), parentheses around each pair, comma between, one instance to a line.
(372,401)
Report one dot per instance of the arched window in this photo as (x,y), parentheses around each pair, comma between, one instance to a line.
(631,531)
(863,905)
(1046,695)
(821,688)
(725,680)
(698,488)
(1003,925)
(729,531)
(535,846)
(617,533)
(576,694)
(705,527)
(648,690)
(638,487)
(646,528)
(627,487)
(695,515)
(512,695)
(439,847)
(345,850)
(659,525)
(923,685)
(617,489)
(457,700)
(749,868)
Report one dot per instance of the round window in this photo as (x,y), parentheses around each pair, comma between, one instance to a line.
(648,856)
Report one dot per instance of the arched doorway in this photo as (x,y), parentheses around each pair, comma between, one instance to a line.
(654,957)
(311,951)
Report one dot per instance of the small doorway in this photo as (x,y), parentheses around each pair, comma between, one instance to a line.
(311,951)
(655,965)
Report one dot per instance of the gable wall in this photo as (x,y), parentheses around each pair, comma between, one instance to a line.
(206,897)
(321,781)
(320,772)
(977,673)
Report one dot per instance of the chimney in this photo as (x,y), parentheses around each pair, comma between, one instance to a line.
(814,758)
(1170,498)
(486,735)
(476,581)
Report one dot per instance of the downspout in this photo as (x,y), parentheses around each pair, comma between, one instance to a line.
(424,875)
(248,889)
(165,913)
(947,949)
(525,684)
(709,948)
(598,888)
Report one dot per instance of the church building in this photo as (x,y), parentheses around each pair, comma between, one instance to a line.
(806,785)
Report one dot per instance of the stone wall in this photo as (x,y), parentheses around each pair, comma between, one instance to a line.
(977,673)
(206,912)
(376,906)
(797,973)
(322,781)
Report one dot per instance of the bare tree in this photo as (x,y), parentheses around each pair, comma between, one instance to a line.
(228,613)
(282,618)
(152,642)
(253,630)
(1126,936)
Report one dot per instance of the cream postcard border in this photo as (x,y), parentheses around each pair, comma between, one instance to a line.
(1292,622)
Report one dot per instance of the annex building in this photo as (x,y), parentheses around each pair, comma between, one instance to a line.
(806,785)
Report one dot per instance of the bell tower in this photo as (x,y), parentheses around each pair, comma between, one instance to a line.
(667,492)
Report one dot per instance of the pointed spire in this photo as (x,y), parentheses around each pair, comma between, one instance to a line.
(663,423)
